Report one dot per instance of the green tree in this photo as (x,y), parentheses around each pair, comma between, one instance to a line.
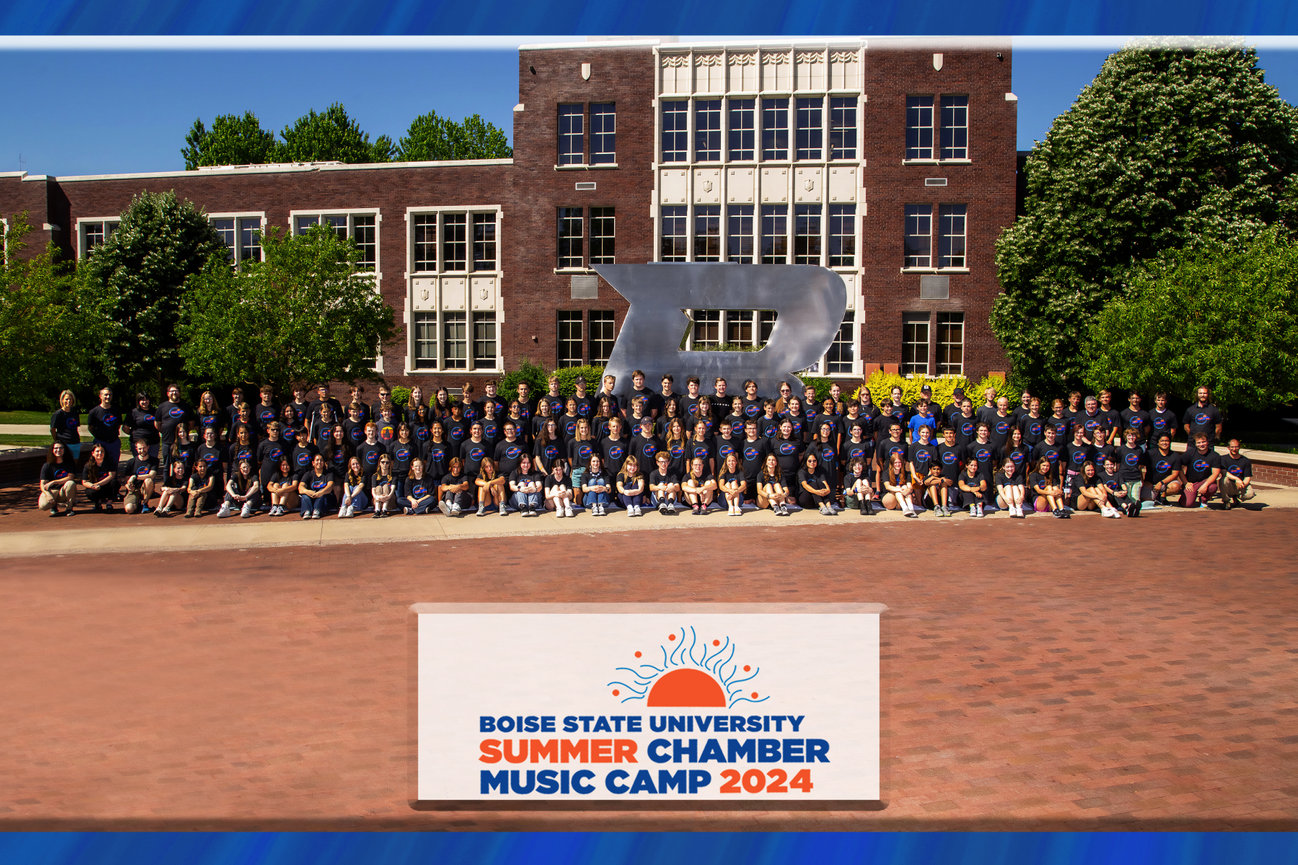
(1165,149)
(1224,315)
(303,313)
(432,137)
(137,277)
(331,135)
(50,335)
(232,140)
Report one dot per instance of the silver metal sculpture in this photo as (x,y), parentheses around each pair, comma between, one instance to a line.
(808,302)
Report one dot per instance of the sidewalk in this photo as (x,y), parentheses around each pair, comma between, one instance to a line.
(28,532)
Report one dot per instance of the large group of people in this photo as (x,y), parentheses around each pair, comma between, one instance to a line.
(664,450)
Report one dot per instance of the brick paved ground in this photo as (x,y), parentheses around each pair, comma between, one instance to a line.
(1038,674)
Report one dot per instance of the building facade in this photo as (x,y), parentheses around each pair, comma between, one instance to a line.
(893,165)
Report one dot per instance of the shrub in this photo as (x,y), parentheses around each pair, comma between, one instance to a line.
(532,373)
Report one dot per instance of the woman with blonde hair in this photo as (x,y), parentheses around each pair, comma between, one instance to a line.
(383,487)
(492,488)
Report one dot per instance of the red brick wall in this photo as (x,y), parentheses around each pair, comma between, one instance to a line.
(986,185)
(534,292)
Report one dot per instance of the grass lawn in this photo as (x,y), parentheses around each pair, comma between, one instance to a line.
(44,440)
(36,417)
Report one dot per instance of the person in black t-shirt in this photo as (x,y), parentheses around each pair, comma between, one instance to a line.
(733,484)
(282,486)
(314,487)
(105,424)
(899,487)
(1092,492)
(1236,476)
(58,482)
(1045,486)
(632,487)
(813,485)
(99,479)
(558,490)
(416,495)
(1200,470)
(1202,418)
(772,489)
(1163,469)
(526,486)
(454,490)
(139,475)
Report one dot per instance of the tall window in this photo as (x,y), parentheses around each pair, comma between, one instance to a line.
(811,129)
(675,131)
(707,232)
(603,133)
(775,234)
(425,240)
(914,343)
(601,336)
(448,233)
(360,228)
(739,231)
(707,130)
(484,340)
(806,234)
(841,352)
(674,234)
(951,235)
(455,245)
(572,134)
(919,127)
(842,235)
(919,235)
(602,226)
(950,343)
(707,328)
(842,127)
(570,238)
(569,339)
(455,341)
(955,127)
(775,128)
(240,235)
(424,327)
(484,241)
(743,129)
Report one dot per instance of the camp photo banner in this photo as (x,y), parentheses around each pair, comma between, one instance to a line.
(638,704)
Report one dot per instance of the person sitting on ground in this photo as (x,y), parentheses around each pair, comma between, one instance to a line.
(58,481)
(1236,477)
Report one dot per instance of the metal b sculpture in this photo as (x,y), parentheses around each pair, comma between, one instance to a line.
(808,302)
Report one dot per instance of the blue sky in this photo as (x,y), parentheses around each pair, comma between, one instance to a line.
(88,111)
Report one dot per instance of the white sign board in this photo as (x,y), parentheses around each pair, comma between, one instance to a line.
(648,703)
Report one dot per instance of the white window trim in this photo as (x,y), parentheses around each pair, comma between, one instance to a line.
(82,221)
(259,215)
(349,212)
(438,274)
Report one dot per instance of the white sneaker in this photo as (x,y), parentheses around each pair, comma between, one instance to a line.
(503,510)
(558,511)
(224,511)
(567,509)
(455,508)
(246,511)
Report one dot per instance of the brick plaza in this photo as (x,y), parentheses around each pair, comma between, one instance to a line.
(1037,675)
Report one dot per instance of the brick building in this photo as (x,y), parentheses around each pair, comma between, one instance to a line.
(893,164)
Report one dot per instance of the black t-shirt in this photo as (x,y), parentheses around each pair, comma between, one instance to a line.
(658,478)
(1162,464)
(567,426)
(1160,422)
(139,468)
(105,423)
(1037,480)
(615,452)
(752,454)
(418,488)
(61,471)
(986,456)
(213,457)
(850,450)
(450,480)
(800,422)
(676,450)
(999,430)
(169,416)
(1137,420)
(547,453)
(922,457)
(1112,481)
(700,450)
(788,454)
(236,452)
(752,408)
(1021,456)
(580,452)
(816,479)
(1033,429)
(436,457)
(457,432)
(966,428)
(1130,463)
(403,454)
(316,482)
(951,458)
(141,423)
(551,482)
(1202,419)
(64,424)
(1077,455)
(736,477)
(724,447)
(490,431)
(508,455)
(597,478)
(1198,466)
(1240,466)
(472,454)
(518,476)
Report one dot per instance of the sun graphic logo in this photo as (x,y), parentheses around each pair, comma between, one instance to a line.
(693,672)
